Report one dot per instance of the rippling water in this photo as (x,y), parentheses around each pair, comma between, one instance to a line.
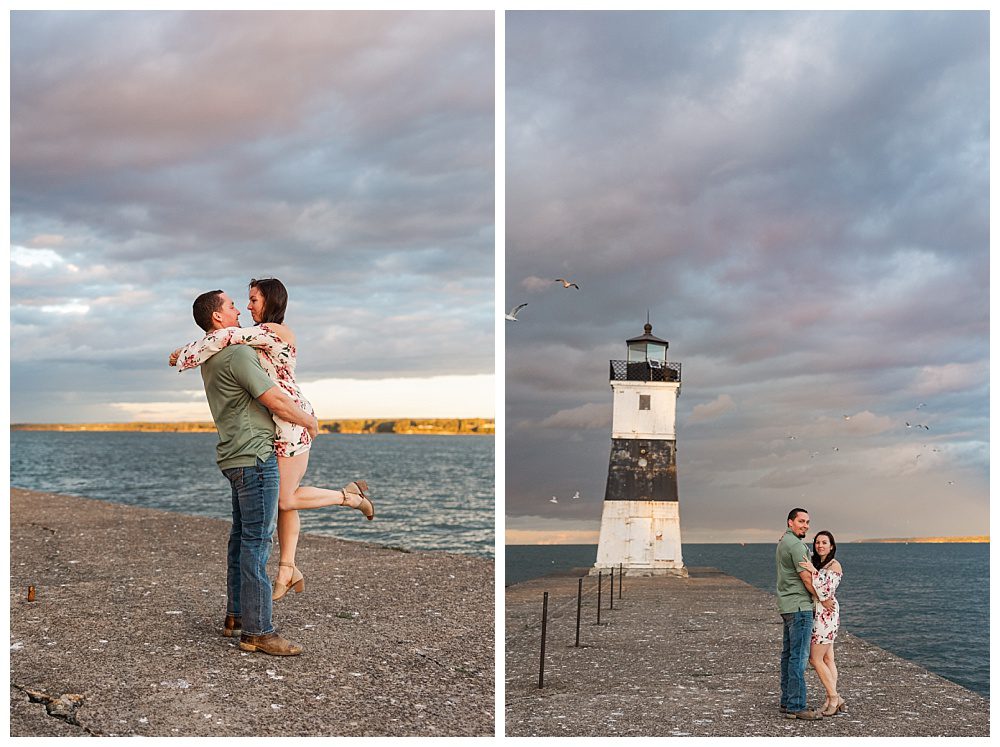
(928,603)
(430,492)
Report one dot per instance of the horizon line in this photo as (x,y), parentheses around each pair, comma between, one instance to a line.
(321,419)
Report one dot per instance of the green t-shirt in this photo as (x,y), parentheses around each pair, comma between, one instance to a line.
(233,380)
(792,594)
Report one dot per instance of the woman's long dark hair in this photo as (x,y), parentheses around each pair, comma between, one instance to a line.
(833,550)
(275,299)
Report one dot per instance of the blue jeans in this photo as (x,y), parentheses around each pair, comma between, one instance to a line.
(255,515)
(794,656)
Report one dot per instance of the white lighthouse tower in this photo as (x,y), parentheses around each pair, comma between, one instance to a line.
(641,525)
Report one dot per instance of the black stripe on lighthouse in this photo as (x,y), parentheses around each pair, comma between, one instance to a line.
(642,470)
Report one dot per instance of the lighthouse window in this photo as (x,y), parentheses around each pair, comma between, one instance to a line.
(643,401)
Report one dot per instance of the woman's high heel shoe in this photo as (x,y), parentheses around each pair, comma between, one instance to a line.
(835,707)
(298,583)
(359,489)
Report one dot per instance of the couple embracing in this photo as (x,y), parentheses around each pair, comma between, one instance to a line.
(265,429)
(808,605)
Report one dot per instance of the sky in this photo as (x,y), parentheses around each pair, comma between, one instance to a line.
(801,203)
(158,155)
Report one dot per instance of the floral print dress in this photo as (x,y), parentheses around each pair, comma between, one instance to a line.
(826,622)
(278,359)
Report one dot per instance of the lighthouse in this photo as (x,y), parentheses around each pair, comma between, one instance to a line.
(640,524)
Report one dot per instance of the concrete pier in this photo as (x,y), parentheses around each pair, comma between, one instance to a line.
(700,656)
(124,634)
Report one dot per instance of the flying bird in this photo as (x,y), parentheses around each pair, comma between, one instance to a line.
(553,499)
(922,404)
(566,283)
(512,314)
(836,448)
(847,417)
(576,495)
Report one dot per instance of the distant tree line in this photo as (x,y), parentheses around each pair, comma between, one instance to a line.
(434,426)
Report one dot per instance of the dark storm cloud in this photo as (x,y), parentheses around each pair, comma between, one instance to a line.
(800,200)
(158,155)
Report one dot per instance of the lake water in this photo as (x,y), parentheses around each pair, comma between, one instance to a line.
(928,603)
(430,492)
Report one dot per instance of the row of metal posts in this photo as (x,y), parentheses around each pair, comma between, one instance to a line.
(579,607)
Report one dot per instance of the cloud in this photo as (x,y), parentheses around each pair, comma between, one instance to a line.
(712,410)
(800,206)
(535,284)
(949,377)
(45,240)
(591,415)
(23,256)
(157,155)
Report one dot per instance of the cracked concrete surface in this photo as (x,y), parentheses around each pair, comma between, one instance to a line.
(700,657)
(124,636)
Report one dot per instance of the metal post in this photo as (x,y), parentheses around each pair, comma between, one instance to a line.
(545,617)
(579,603)
(620,573)
(611,596)
(600,580)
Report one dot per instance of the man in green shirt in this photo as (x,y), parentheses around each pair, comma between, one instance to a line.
(242,399)
(796,601)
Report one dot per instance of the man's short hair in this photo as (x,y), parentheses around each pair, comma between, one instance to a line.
(795,512)
(204,306)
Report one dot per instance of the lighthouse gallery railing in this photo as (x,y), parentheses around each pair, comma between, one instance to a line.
(642,371)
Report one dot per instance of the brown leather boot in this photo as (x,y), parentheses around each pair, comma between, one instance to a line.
(232,627)
(269,643)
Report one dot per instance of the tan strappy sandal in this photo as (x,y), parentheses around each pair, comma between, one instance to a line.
(298,583)
(359,489)
(832,708)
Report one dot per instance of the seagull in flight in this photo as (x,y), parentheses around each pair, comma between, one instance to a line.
(553,499)
(922,404)
(847,417)
(512,314)
(576,495)
(566,283)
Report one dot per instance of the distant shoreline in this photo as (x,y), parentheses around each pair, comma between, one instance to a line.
(404,426)
(985,540)
(927,540)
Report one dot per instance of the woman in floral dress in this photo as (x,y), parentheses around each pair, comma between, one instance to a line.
(826,576)
(275,346)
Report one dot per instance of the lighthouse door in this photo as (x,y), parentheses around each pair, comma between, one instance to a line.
(640,542)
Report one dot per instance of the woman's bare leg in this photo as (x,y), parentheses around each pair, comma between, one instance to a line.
(290,469)
(817,655)
(831,666)
(306,496)
(293,497)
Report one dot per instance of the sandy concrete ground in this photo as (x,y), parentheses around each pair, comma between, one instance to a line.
(124,635)
(700,657)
